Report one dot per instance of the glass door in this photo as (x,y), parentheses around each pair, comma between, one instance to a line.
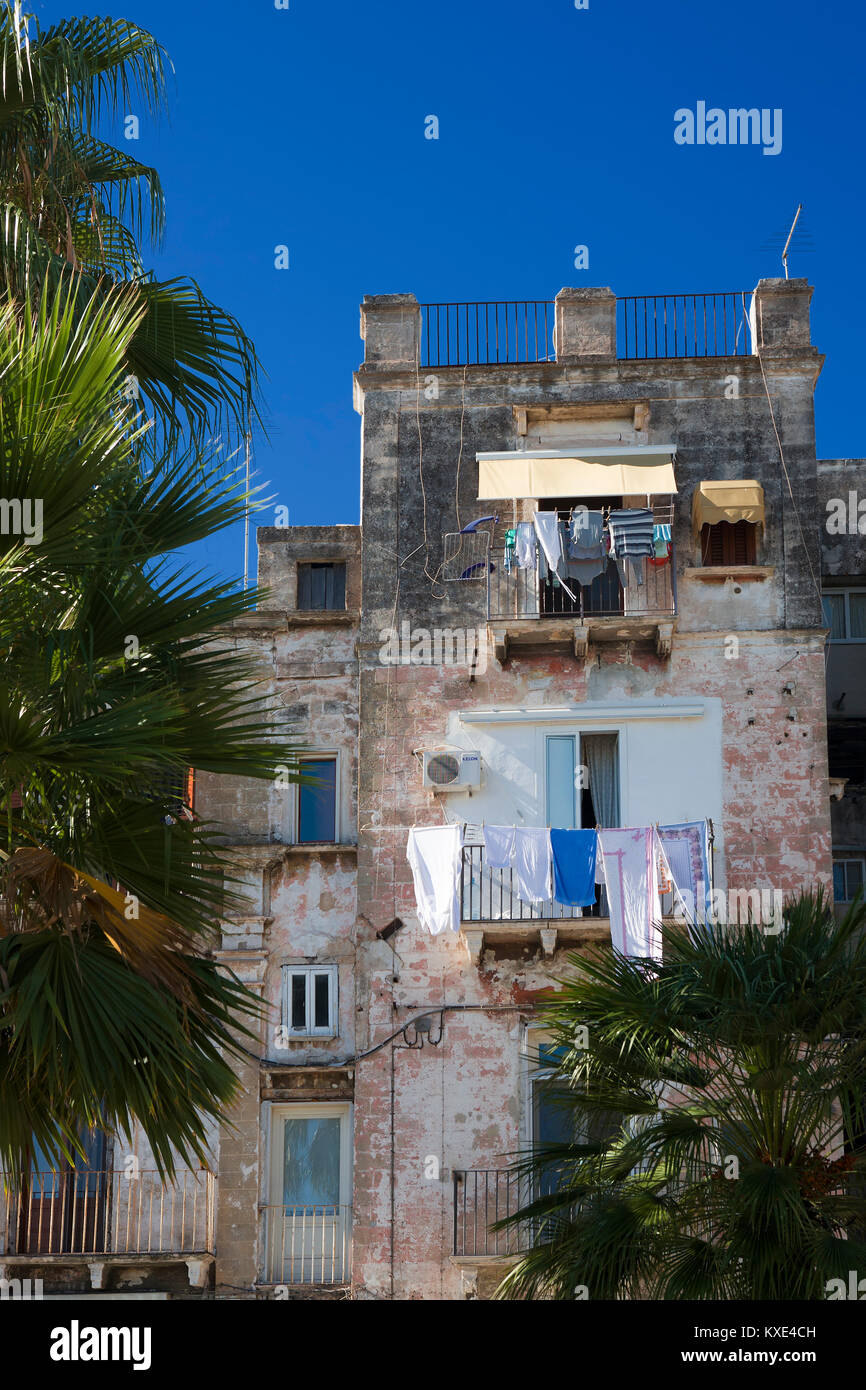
(310,1217)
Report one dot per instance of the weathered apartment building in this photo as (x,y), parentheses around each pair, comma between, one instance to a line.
(434,678)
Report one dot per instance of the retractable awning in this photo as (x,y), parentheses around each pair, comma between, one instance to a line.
(739,500)
(610,472)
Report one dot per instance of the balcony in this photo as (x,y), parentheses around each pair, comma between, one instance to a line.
(104,1218)
(524,612)
(492,913)
(307,1245)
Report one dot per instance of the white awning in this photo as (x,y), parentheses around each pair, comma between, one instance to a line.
(610,472)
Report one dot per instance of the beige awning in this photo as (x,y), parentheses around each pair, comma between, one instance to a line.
(611,472)
(741,500)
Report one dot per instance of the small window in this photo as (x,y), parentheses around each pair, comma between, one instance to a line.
(849,876)
(729,543)
(845,615)
(317,801)
(309,1005)
(321,587)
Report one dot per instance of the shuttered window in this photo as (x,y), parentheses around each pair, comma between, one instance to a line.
(728,543)
(321,586)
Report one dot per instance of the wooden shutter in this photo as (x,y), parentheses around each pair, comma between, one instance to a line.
(728,543)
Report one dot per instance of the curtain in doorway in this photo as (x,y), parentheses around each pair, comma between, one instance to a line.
(600,753)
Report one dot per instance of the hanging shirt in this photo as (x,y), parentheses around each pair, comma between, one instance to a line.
(525,545)
(630,860)
(435,855)
(574,853)
(526,853)
(549,538)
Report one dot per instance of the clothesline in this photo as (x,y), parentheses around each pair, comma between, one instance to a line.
(579,549)
(548,864)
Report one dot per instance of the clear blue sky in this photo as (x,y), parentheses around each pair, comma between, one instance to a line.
(305,127)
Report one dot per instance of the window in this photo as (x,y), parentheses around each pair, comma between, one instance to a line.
(845,615)
(849,875)
(317,801)
(846,750)
(728,543)
(322,586)
(309,1006)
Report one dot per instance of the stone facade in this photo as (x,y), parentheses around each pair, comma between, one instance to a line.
(733,687)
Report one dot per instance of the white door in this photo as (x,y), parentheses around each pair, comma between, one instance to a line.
(309,1217)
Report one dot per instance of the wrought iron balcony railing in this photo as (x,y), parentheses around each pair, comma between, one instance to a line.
(518,594)
(483,1196)
(490,895)
(508,332)
(108,1213)
(307,1244)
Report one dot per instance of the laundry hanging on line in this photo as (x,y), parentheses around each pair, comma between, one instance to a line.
(564,866)
(527,853)
(435,854)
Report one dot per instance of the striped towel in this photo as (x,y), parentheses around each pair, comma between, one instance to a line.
(631,531)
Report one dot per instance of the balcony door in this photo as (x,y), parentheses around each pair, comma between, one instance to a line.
(605,594)
(63,1208)
(309,1217)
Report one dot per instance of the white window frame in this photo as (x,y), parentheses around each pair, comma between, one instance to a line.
(849,859)
(846,595)
(319,755)
(309,972)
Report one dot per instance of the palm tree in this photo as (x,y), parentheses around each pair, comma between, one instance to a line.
(73,205)
(728,1087)
(113,681)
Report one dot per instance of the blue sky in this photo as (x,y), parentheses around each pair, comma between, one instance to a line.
(305,127)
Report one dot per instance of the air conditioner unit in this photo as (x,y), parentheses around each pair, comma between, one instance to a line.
(450,772)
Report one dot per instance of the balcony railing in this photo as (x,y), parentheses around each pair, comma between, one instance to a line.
(518,594)
(90,1213)
(483,1196)
(308,1244)
(484,334)
(683,325)
(489,895)
(508,332)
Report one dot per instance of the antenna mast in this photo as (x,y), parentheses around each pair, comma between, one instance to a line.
(790,234)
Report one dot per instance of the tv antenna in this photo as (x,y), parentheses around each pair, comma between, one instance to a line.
(790,235)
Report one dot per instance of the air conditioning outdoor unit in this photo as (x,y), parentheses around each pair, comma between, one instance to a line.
(451,772)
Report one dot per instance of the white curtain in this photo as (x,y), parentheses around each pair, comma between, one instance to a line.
(600,753)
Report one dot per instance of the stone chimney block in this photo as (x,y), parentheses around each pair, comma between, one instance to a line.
(585,325)
(780,318)
(391,329)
